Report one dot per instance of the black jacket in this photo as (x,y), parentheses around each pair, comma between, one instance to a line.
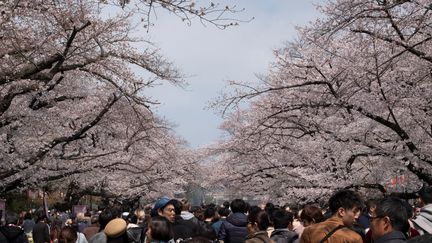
(184,229)
(284,236)
(392,237)
(234,230)
(41,233)
(13,234)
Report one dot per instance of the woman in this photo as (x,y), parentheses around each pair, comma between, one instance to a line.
(258,222)
(159,231)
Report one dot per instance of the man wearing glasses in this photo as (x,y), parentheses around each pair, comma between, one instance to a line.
(389,221)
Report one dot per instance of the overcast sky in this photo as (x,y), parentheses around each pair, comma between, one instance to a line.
(210,57)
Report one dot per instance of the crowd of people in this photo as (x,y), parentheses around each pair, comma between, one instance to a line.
(346,219)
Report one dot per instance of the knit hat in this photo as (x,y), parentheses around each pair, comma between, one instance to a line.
(115,228)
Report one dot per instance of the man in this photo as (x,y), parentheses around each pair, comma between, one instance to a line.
(282,222)
(41,229)
(12,233)
(389,221)
(234,229)
(423,221)
(345,207)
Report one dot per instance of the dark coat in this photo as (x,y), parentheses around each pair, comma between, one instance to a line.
(283,236)
(185,228)
(41,233)
(13,234)
(259,237)
(392,237)
(234,229)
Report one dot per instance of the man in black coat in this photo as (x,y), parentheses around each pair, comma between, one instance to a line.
(389,221)
(41,229)
(282,222)
(234,228)
(11,233)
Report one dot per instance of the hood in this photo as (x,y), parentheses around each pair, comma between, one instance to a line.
(238,219)
(11,232)
(186,215)
(285,233)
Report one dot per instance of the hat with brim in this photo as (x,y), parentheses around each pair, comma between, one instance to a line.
(115,228)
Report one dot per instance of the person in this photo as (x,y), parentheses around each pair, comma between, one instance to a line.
(223,214)
(68,235)
(389,221)
(282,222)
(345,206)
(258,223)
(364,219)
(115,231)
(311,214)
(104,218)
(185,211)
(165,207)
(423,221)
(159,231)
(41,229)
(234,228)
(28,223)
(93,228)
(11,232)
(183,229)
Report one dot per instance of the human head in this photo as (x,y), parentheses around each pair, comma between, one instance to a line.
(223,212)
(161,202)
(168,210)
(185,204)
(346,204)
(258,220)
(282,219)
(209,213)
(390,215)
(238,206)
(177,206)
(105,216)
(159,229)
(68,235)
(425,194)
(311,214)
(140,214)
(11,218)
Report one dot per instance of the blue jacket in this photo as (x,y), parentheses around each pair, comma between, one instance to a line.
(234,229)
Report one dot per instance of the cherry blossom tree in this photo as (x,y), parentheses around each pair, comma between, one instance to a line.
(72,112)
(346,105)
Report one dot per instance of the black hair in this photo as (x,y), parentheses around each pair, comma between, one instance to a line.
(260,218)
(395,209)
(223,211)
(177,206)
(209,212)
(425,194)
(160,229)
(281,218)
(226,204)
(104,217)
(238,206)
(345,199)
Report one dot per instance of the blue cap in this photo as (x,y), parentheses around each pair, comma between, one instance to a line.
(161,202)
